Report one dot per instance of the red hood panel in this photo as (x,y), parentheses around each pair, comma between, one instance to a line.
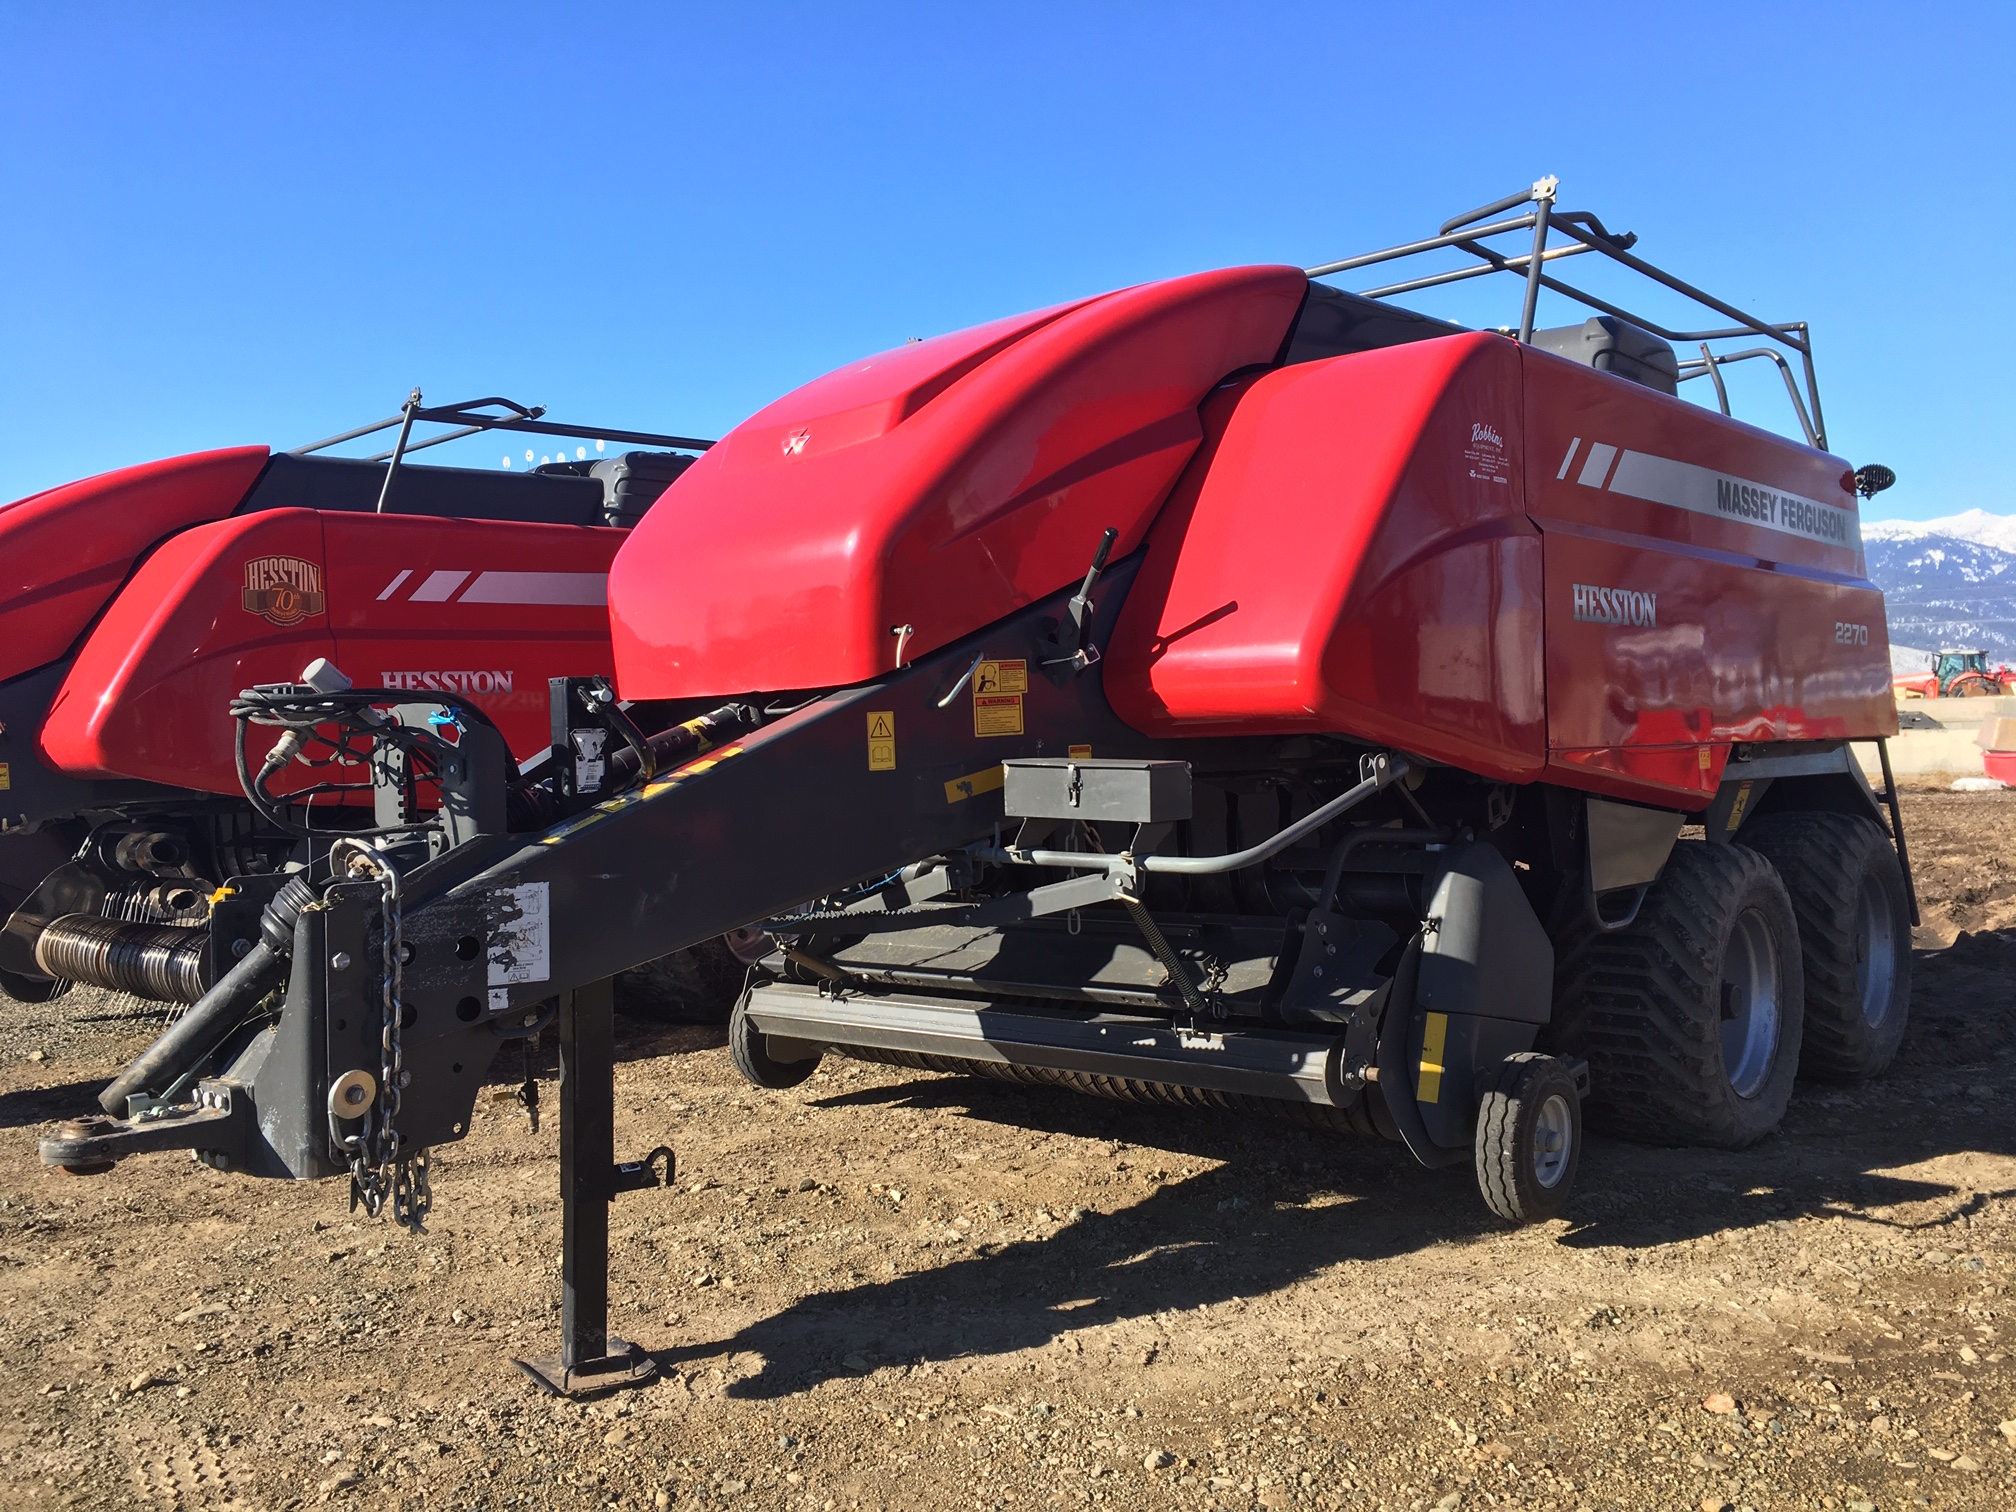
(64,552)
(487,608)
(940,486)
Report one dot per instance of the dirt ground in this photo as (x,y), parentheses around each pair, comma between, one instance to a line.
(906,1290)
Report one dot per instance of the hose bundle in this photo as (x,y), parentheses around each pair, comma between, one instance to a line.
(345,722)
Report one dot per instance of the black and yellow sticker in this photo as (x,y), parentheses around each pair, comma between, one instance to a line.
(1736,809)
(6,777)
(997,713)
(998,687)
(881,740)
(1001,677)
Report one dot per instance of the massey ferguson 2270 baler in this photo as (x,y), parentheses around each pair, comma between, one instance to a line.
(1228,690)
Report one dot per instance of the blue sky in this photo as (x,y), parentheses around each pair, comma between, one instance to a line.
(265,223)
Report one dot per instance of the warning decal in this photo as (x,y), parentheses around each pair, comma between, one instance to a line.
(6,777)
(521,934)
(1001,677)
(997,713)
(881,740)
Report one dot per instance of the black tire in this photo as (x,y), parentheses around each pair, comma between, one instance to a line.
(696,986)
(1847,892)
(1645,1004)
(1529,1139)
(749,1053)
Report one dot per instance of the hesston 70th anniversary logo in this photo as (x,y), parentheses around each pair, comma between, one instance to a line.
(283,590)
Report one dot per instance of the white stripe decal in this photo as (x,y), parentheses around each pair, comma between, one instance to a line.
(1597,467)
(1703,491)
(393,586)
(440,586)
(1567,459)
(587,589)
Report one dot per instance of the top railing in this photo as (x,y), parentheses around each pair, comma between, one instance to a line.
(468,419)
(1581,234)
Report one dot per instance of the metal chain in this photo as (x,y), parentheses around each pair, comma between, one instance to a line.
(380,1167)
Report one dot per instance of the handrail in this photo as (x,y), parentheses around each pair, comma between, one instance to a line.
(1710,362)
(527,418)
(1583,232)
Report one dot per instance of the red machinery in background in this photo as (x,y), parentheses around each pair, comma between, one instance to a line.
(1956,672)
(136,604)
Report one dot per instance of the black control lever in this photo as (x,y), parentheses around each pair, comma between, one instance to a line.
(1071,642)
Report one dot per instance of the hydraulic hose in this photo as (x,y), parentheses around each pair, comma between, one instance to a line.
(1390,771)
(529,805)
(220,1010)
(694,737)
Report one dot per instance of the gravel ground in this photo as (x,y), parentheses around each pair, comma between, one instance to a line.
(886,1289)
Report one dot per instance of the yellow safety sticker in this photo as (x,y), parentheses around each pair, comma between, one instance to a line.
(1434,1039)
(1001,677)
(997,713)
(987,780)
(1079,753)
(6,777)
(881,741)
(1705,757)
(1736,809)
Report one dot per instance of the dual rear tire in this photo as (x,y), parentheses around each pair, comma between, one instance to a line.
(1847,890)
(1692,1016)
(1748,965)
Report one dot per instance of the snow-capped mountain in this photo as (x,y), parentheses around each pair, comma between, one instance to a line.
(1975,525)
(1949,582)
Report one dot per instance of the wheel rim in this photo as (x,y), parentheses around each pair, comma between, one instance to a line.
(1875,951)
(1749,1004)
(1553,1141)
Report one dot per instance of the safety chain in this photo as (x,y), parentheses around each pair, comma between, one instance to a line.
(379,1165)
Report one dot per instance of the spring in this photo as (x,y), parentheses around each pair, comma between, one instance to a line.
(159,961)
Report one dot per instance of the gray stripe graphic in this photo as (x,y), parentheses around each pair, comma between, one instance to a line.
(1703,491)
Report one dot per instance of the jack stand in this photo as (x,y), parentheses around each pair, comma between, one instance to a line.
(590,1361)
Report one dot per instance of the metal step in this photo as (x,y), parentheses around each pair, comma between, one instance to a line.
(1272,1063)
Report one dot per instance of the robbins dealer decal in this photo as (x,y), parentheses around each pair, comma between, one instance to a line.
(283,590)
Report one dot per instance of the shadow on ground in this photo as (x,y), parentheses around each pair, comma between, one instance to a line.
(1287,1202)
(35,1105)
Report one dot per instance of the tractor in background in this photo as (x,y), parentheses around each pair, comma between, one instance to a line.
(1957,672)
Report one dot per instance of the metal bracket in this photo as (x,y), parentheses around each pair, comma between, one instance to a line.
(643,1175)
(215,1123)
